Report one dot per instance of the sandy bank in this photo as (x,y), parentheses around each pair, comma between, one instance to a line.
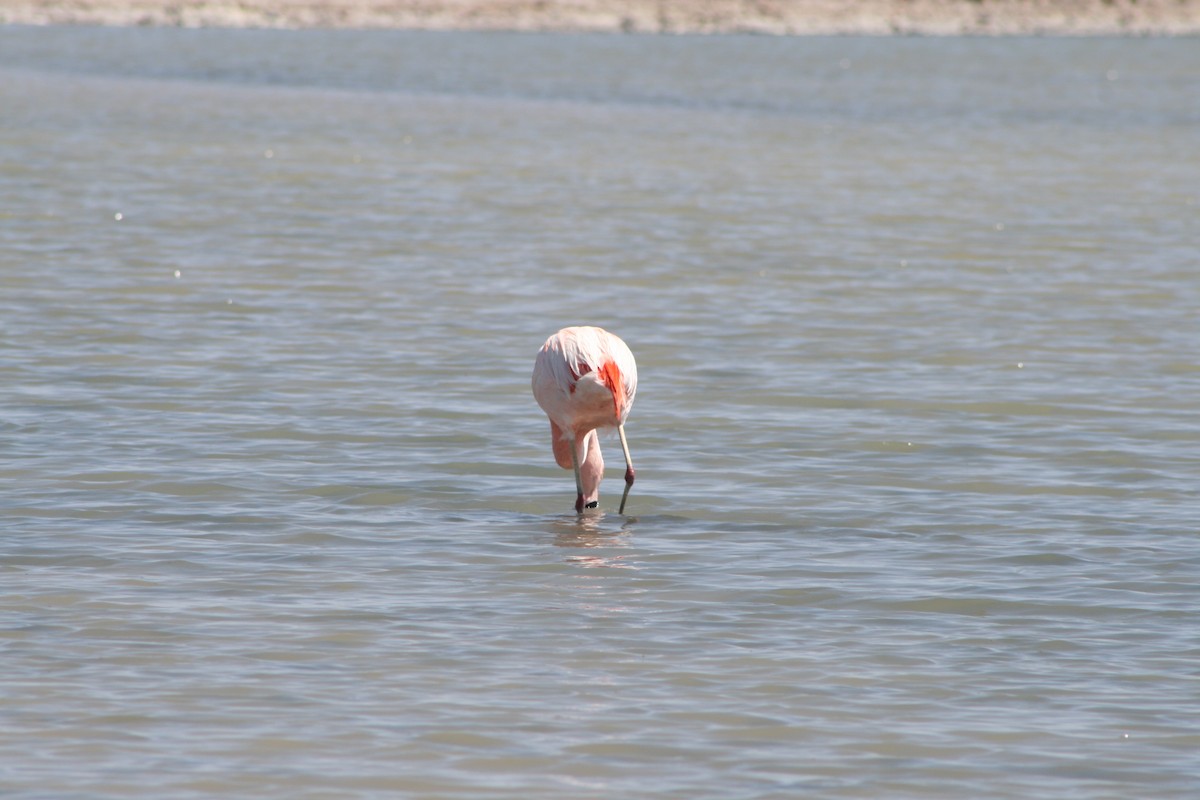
(796,17)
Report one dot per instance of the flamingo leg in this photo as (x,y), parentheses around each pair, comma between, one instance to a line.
(578,480)
(629,472)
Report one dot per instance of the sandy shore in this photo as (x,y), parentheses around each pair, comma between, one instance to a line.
(795,17)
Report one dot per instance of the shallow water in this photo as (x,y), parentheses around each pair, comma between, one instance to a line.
(916,429)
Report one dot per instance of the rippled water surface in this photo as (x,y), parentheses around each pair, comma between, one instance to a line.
(916,432)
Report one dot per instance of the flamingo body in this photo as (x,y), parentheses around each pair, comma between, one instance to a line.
(585,378)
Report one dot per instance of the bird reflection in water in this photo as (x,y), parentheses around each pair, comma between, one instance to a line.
(593,543)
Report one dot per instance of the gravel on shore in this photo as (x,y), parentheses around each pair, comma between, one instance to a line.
(787,17)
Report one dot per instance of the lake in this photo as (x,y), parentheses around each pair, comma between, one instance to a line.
(916,430)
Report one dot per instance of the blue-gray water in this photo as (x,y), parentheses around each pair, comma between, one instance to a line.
(916,431)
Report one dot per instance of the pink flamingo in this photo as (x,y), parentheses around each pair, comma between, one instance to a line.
(585,378)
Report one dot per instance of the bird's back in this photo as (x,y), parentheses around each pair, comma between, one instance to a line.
(573,365)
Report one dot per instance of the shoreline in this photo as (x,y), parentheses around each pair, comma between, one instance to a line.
(772,17)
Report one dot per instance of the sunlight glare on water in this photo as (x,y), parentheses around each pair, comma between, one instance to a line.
(915,431)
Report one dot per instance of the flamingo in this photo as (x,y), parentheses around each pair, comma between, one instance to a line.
(585,378)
